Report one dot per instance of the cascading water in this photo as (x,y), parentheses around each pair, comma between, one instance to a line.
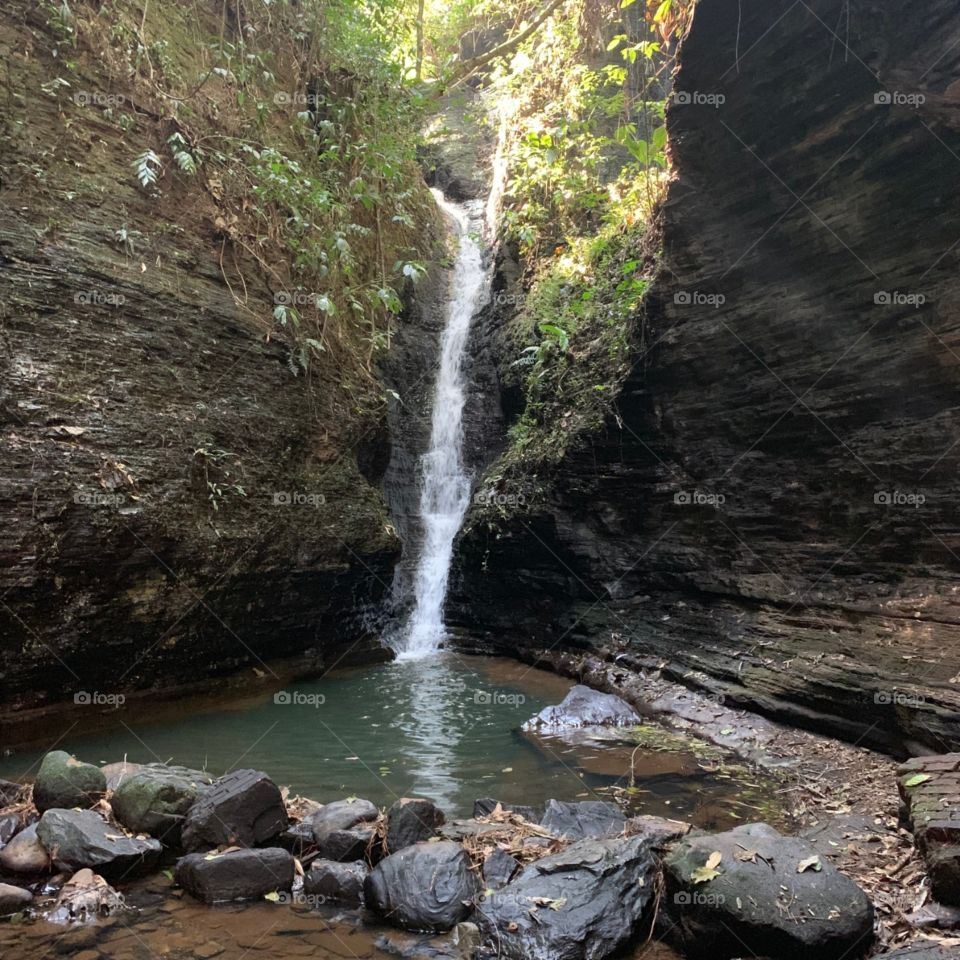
(445,486)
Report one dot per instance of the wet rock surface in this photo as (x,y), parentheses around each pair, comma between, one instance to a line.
(753,889)
(930,791)
(244,807)
(235,875)
(64,782)
(587,818)
(584,707)
(410,821)
(336,882)
(428,886)
(581,904)
(82,838)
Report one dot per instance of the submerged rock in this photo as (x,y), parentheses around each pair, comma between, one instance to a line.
(244,807)
(588,818)
(336,882)
(81,838)
(84,898)
(25,855)
(582,904)
(410,821)
(237,875)
(428,886)
(764,893)
(584,707)
(930,794)
(13,899)
(63,782)
(155,800)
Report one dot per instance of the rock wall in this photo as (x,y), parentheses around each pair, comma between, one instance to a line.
(770,512)
(179,498)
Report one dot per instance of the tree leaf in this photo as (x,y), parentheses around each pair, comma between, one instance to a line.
(916,780)
(811,863)
(703,874)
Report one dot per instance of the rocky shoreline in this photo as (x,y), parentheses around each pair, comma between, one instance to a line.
(569,880)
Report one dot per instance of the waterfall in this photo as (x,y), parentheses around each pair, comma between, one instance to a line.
(445,486)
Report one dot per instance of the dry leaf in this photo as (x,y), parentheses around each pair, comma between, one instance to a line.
(811,863)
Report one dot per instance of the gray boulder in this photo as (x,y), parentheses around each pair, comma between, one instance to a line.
(243,808)
(582,904)
(498,869)
(63,782)
(771,895)
(155,800)
(9,825)
(340,883)
(238,875)
(341,815)
(584,707)
(357,843)
(411,821)
(25,855)
(81,838)
(579,821)
(13,899)
(429,887)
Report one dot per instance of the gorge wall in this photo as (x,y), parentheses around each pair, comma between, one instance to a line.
(181,498)
(770,510)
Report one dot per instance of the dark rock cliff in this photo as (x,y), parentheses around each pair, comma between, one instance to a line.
(771,510)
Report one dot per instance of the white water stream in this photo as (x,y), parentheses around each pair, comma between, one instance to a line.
(445,486)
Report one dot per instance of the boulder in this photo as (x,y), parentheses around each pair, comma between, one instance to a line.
(429,886)
(9,825)
(660,830)
(25,855)
(85,898)
(13,899)
(767,894)
(930,794)
(297,838)
(237,875)
(155,800)
(584,707)
(63,782)
(340,883)
(244,808)
(582,904)
(498,869)
(462,829)
(116,773)
(358,843)
(579,821)
(341,815)
(82,838)
(486,805)
(410,821)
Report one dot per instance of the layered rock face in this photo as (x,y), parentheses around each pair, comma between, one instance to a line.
(771,509)
(179,498)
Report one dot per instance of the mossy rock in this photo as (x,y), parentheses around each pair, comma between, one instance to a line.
(65,782)
(155,800)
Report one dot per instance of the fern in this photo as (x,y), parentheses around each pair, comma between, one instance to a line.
(148,167)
